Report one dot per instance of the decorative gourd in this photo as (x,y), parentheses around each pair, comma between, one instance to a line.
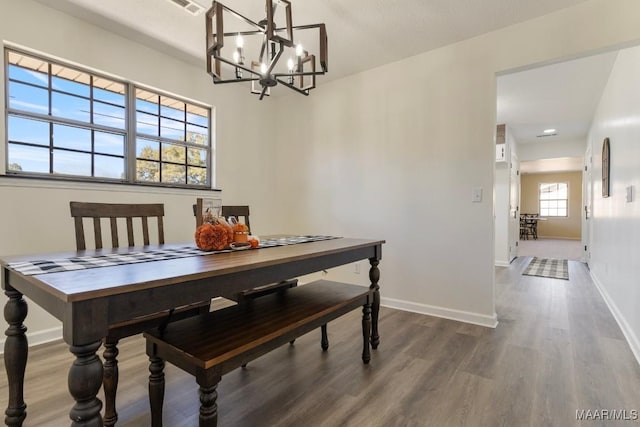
(213,236)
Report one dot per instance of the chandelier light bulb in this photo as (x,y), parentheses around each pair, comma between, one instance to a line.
(239,41)
(290,64)
(299,50)
(236,56)
(263,68)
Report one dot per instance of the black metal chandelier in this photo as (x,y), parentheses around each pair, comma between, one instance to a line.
(231,41)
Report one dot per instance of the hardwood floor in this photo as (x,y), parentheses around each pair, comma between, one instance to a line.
(557,349)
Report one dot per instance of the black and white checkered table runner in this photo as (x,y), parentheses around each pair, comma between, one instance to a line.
(29,268)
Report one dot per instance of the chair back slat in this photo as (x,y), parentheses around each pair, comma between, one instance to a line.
(130,231)
(114,232)
(145,230)
(80,244)
(113,211)
(160,231)
(97,232)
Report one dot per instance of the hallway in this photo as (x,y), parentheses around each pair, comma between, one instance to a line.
(551,248)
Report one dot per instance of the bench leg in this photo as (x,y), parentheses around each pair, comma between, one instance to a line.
(110,381)
(366,332)
(208,401)
(324,342)
(156,389)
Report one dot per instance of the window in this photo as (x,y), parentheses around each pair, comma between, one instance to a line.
(63,121)
(554,199)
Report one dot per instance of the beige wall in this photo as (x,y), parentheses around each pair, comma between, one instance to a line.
(566,228)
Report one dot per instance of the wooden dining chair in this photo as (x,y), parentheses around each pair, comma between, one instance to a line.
(131,214)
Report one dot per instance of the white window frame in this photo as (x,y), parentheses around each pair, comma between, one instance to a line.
(544,212)
(129,131)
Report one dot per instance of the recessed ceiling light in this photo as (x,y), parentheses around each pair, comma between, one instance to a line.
(549,130)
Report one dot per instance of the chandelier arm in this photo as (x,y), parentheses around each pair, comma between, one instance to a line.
(290,86)
(274,61)
(264,90)
(305,73)
(242,67)
(234,81)
(243,33)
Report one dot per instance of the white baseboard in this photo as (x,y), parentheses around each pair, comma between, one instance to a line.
(628,333)
(502,263)
(559,237)
(446,313)
(39,337)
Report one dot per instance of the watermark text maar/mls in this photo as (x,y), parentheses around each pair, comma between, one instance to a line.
(606,414)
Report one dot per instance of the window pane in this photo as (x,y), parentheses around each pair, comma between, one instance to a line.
(70,86)
(70,163)
(146,106)
(544,212)
(544,204)
(28,159)
(26,130)
(146,149)
(197,135)
(196,175)
(109,167)
(172,108)
(562,212)
(28,98)
(71,137)
(147,171)
(197,119)
(147,124)
(174,174)
(29,76)
(197,157)
(172,129)
(108,115)
(108,143)
(70,107)
(108,96)
(174,153)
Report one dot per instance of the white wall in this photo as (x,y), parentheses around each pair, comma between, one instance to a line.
(244,154)
(615,224)
(551,149)
(394,153)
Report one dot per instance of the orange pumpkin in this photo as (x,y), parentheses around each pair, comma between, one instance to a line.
(212,237)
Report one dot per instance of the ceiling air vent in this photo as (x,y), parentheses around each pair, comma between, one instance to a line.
(189,6)
(545,135)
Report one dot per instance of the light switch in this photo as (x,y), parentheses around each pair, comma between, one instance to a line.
(476,195)
(629,197)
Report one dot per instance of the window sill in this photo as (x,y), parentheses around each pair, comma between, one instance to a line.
(32,182)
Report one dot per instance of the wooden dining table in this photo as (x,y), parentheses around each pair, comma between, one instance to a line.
(88,300)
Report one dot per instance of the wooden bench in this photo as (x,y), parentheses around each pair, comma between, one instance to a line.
(210,345)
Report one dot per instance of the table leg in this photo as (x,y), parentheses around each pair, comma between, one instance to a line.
(85,380)
(16,349)
(374,277)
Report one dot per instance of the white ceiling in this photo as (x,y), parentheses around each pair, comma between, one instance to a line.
(561,164)
(362,33)
(561,96)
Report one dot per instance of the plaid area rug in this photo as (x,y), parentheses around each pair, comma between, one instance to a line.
(548,267)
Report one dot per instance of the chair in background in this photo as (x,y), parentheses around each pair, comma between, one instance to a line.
(128,212)
(529,226)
